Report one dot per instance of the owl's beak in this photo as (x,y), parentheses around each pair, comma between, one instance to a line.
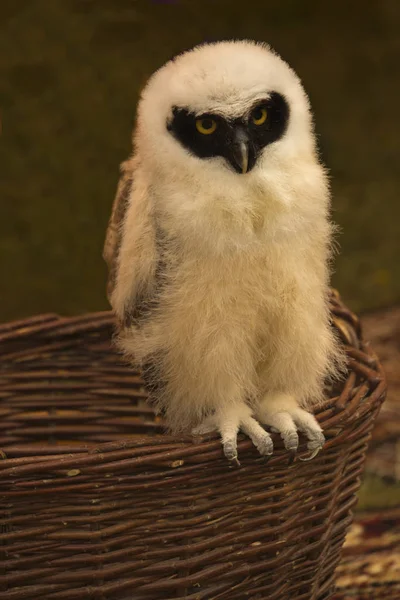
(239,151)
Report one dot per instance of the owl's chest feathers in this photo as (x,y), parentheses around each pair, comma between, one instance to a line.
(244,288)
(241,270)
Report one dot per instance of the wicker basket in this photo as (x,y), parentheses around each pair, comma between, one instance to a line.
(96,504)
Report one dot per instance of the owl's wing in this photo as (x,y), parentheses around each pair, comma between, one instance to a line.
(113,238)
(132,250)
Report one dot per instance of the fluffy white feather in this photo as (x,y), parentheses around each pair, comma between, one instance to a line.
(240,332)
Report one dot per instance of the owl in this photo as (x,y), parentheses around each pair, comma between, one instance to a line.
(219,248)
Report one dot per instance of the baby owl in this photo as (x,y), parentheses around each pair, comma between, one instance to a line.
(218,248)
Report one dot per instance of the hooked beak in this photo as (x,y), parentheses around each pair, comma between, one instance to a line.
(239,151)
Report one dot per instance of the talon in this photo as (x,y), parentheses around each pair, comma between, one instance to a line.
(265,446)
(315,445)
(291,441)
(260,438)
(230,424)
(230,451)
(292,456)
(312,455)
(318,442)
(290,419)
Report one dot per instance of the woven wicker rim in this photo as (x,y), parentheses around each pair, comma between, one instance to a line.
(365,387)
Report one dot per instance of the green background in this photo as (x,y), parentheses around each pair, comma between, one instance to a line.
(70,72)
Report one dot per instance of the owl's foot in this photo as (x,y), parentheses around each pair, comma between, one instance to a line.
(284,415)
(228,423)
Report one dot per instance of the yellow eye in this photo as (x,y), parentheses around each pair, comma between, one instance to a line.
(206,126)
(259,115)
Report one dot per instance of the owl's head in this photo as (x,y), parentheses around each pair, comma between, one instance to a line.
(234,107)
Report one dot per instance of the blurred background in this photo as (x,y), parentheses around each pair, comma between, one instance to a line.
(70,74)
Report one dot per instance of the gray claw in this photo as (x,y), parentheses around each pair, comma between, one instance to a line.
(265,447)
(316,443)
(230,451)
(312,455)
(291,441)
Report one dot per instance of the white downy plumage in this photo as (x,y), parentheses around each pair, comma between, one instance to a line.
(221,277)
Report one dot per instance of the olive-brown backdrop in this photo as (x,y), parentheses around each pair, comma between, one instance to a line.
(70,72)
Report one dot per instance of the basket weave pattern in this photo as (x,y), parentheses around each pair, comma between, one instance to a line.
(96,504)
